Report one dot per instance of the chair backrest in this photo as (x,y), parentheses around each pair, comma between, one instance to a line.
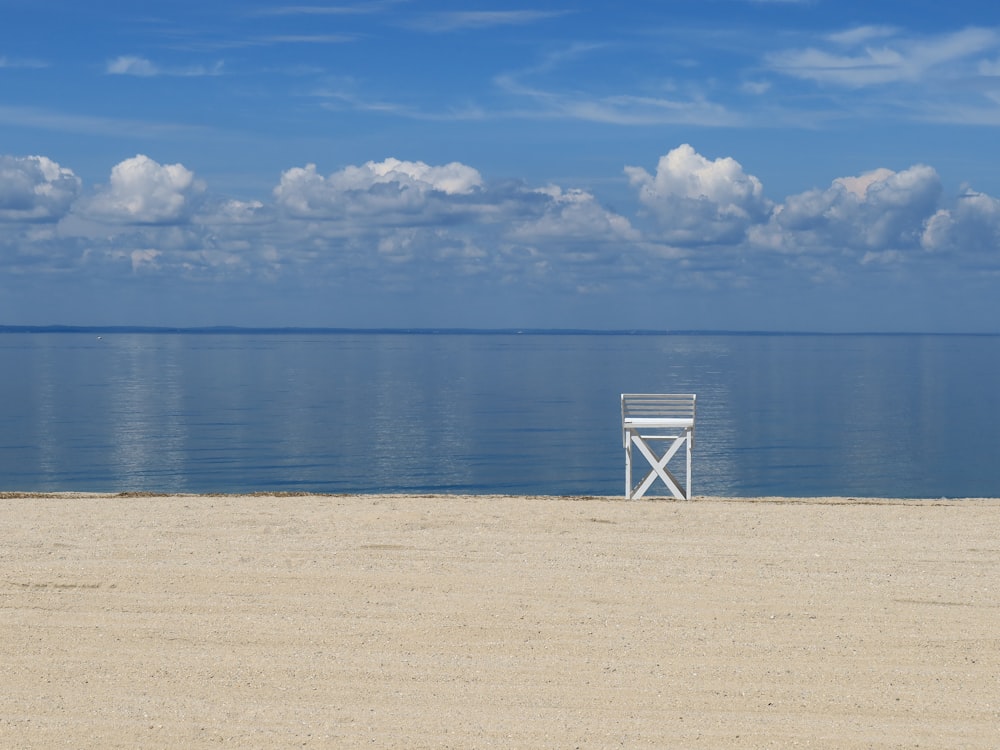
(658,410)
(654,406)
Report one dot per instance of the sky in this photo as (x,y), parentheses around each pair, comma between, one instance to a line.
(780,165)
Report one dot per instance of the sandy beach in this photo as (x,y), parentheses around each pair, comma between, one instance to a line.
(485,621)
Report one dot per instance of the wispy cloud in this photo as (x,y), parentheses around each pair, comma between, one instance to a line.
(307,39)
(569,54)
(756,88)
(13,62)
(897,58)
(346,97)
(31,117)
(342,98)
(542,104)
(535,93)
(535,86)
(862,34)
(989,68)
(131,65)
(618,109)
(481,19)
(328,10)
(251,42)
(985,114)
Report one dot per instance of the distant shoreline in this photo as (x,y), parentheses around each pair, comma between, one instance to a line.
(396,331)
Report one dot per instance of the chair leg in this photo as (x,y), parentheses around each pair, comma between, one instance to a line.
(687,483)
(628,466)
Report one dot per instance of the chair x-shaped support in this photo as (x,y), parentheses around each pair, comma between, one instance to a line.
(659,465)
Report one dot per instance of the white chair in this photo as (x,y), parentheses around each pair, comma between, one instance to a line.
(660,418)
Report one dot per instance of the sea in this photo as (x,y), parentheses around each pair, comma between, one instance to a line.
(492,412)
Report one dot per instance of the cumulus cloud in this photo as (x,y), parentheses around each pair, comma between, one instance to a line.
(453,179)
(972,226)
(235,212)
(143,191)
(142,259)
(574,214)
(35,188)
(400,224)
(700,201)
(412,211)
(878,211)
(386,187)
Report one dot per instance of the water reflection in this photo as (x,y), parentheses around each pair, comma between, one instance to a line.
(812,415)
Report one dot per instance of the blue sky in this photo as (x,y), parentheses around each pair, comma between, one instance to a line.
(696,164)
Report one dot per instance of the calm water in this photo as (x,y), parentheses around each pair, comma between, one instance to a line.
(910,416)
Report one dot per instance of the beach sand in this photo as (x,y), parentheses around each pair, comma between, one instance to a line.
(515,622)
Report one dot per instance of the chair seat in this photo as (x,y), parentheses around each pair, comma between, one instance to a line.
(657,422)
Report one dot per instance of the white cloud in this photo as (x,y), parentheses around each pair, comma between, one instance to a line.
(386,187)
(618,109)
(862,34)
(881,210)
(895,58)
(367,7)
(482,19)
(574,214)
(35,188)
(142,259)
(757,88)
(989,68)
(131,65)
(699,201)
(9,62)
(445,218)
(858,186)
(971,226)
(883,257)
(235,212)
(453,178)
(142,191)
(31,117)
(404,224)
(306,39)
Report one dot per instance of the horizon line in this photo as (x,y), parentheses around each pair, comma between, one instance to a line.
(445,330)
